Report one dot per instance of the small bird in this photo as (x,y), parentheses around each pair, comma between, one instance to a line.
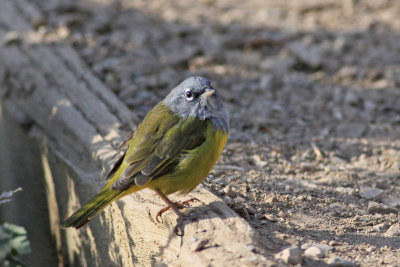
(172,150)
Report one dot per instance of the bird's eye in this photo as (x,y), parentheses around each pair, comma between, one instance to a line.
(189,94)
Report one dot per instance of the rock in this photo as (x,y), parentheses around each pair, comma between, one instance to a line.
(258,161)
(313,252)
(229,192)
(228,200)
(278,66)
(393,231)
(271,200)
(11,38)
(340,262)
(347,72)
(351,98)
(266,81)
(272,218)
(382,227)
(309,56)
(221,181)
(344,190)
(316,250)
(374,207)
(291,255)
(351,130)
(392,202)
(239,199)
(307,167)
(370,192)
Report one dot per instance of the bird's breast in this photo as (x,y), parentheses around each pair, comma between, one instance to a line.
(195,164)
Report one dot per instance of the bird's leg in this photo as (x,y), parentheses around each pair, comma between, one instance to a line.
(179,205)
(175,207)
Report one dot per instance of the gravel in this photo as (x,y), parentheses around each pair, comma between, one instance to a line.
(312,88)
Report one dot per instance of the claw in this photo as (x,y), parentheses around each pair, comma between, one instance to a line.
(178,205)
(178,229)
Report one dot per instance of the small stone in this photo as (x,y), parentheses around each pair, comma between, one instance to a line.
(291,255)
(393,231)
(219,181)
(344,190)
(258,161)
(271,218)
(228,200)
(266,81)
(251,210)
(331,168)
(62,32)
(271,199)
(333,243)
(307,167)
(347,72)
(340,262)
(392,202)
(277,66)
(370,192)
(239,199)
(382,227)
(374,207)
(11,38)
(316,250)
(289,188)
(309,56)
(229,192)
(351,98)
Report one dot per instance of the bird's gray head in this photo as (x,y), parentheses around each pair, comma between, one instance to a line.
(195,97)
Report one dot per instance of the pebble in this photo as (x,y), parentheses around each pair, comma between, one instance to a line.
(239,199)
(316,250)
(306,55)
(375,207)
(333,243)
(219,181)
(340,262)
(347,72)
(271,199)
(11,38)
(392,202)
(393,231)
(307,167)
(258,161)
(228,200)
(229,192)
(344,190)
(272,218)
(370,192)
(291,255)
(382,227)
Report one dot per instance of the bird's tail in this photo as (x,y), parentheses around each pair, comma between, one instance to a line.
(90,209)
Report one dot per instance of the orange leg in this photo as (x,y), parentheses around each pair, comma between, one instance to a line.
(175,207)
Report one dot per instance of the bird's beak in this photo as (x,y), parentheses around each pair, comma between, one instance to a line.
(208,93)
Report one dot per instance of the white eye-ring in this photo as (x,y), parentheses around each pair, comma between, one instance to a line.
(189,94)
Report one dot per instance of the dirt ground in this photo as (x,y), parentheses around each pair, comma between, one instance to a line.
(313,92)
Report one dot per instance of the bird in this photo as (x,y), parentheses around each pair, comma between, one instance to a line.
(171,151)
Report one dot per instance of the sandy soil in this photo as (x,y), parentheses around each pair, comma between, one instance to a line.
(313,91)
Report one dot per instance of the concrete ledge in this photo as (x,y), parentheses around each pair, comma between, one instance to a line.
(76,124)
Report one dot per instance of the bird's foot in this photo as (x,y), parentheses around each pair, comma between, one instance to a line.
(176,206)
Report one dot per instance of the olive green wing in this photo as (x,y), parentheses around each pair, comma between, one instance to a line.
(158,145)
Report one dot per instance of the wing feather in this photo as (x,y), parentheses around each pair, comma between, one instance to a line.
(157,146)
